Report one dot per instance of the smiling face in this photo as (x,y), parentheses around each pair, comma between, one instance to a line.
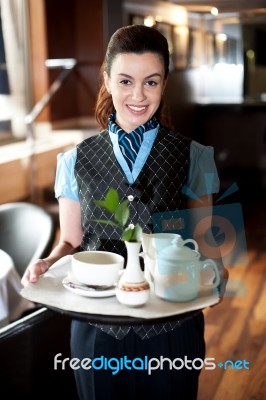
(136,83)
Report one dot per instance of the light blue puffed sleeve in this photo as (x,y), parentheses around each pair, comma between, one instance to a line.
(203,177)
(65,181)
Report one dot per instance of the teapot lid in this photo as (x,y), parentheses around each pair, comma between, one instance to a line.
(179,250)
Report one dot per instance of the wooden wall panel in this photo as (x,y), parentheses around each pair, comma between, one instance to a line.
(61,31)
(90,51)
(71,29)
(39,52)
(17,187)
(75,30)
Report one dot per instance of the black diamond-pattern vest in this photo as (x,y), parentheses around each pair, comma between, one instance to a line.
(157,188)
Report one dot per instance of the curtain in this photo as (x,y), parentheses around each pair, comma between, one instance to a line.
(13,26)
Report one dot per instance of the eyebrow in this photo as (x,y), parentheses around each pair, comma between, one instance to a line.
(147,77)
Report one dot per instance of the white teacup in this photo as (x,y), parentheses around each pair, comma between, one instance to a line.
(97,267)
(152,244)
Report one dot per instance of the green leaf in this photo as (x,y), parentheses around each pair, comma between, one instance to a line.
(127,234)
(112,200)
(122,213)
(100,203)
(106,222)
(137,233)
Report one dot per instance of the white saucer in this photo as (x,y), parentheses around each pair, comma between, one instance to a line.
(87,293)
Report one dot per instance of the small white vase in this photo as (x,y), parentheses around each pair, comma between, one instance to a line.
(133,289)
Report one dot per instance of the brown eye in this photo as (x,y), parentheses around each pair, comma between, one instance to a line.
(125,82)
(151,83)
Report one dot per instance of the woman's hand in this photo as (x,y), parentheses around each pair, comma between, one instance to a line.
(224,279)
(34,271)
(70,237)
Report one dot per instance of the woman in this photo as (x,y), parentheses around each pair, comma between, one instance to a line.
(152,168)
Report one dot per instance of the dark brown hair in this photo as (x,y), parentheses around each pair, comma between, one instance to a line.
(136,39)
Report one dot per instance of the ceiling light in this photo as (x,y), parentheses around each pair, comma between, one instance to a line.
(222,37)
(214,11)
(250,54)
(149,21)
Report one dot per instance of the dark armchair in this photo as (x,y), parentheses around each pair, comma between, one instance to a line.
(27,232)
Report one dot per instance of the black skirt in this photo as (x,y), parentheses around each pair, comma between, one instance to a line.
(162,367)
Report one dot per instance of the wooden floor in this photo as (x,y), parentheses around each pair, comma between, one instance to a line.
(236,328)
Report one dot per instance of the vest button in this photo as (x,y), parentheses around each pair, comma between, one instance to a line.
(130,197)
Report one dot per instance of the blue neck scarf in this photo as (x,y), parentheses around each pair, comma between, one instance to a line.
(130,142)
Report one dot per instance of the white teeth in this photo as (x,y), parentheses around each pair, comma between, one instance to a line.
(137,108)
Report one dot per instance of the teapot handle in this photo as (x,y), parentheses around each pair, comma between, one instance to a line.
(149,266)
(193,242)
(206,265)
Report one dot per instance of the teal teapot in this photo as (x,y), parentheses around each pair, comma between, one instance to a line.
(177,272)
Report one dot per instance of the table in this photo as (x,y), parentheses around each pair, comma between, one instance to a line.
(12,304)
